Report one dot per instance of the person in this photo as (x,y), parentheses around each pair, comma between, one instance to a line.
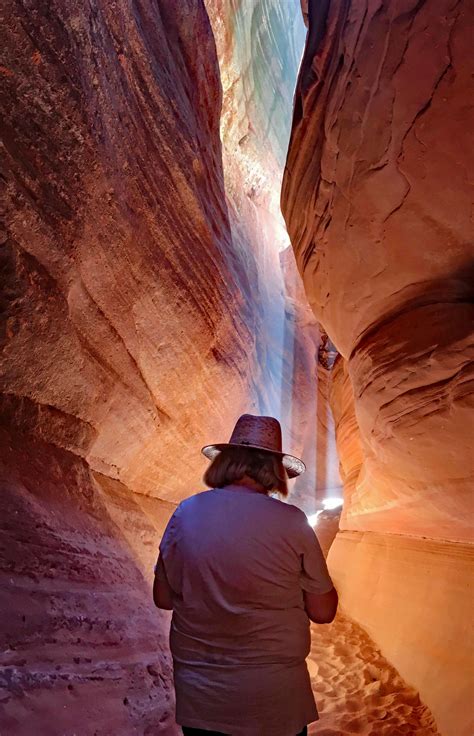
(244,574)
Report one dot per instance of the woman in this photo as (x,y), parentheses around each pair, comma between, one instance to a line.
(243,573)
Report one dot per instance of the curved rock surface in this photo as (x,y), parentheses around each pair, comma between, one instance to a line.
(114,182)
(121,348)
(145,308)
(376,197)
(377,202)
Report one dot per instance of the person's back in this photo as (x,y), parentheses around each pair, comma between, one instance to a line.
(243,574)
(237,560)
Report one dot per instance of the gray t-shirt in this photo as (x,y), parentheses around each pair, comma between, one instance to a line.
(238,562)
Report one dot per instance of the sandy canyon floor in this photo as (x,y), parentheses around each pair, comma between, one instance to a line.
(357,690)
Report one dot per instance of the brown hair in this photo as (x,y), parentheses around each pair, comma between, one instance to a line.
(232,463)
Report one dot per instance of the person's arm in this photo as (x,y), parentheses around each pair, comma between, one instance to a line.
(319,594)
(162,592)
(321,608)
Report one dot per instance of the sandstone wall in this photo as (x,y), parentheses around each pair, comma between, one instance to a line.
(114,184)
(144,309)
(377,202)
(82,648)
(127,338)
(411,595)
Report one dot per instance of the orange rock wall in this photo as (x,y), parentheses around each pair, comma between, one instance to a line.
(377,203)
(376,198)
(412,597)
(122,347)
(120,310)
(145,308)
(347,432)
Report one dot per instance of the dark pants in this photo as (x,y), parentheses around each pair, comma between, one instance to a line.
(201,732)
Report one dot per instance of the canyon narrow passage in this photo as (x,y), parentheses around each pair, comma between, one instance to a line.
(357,690)
(219,207)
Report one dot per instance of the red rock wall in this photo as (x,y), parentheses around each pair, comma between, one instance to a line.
(82,650)
(128,341)
(145,308)
(114,182)
(377,202)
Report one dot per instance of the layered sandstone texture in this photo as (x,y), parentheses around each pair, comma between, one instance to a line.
(127,338)
(145,307)
(82,649)
(129,329)
(377,201)
(376,196)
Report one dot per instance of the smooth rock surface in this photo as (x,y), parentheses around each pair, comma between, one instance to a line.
(356,689)
(349,445)
(128,340)
(377,201)
(412,597)
(126,347)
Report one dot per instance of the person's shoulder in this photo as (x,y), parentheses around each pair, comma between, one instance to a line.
(289,519)
(195,498)
(289,509)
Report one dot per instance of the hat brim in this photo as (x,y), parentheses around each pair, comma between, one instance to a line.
(293,465)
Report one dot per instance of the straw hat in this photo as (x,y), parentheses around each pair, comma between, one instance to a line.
(260,433)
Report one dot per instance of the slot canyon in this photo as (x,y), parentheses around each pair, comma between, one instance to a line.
(218,207)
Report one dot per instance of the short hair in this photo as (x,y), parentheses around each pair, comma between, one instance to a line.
(232,463)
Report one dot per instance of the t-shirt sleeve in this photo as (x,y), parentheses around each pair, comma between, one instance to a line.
(160,571)
(168,558)
(314,577)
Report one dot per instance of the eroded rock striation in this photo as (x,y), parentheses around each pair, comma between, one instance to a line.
(82,650)
(377,202)
(114,184)
(122,344)
(145,307)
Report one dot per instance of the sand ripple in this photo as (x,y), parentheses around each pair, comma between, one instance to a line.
(357,690)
